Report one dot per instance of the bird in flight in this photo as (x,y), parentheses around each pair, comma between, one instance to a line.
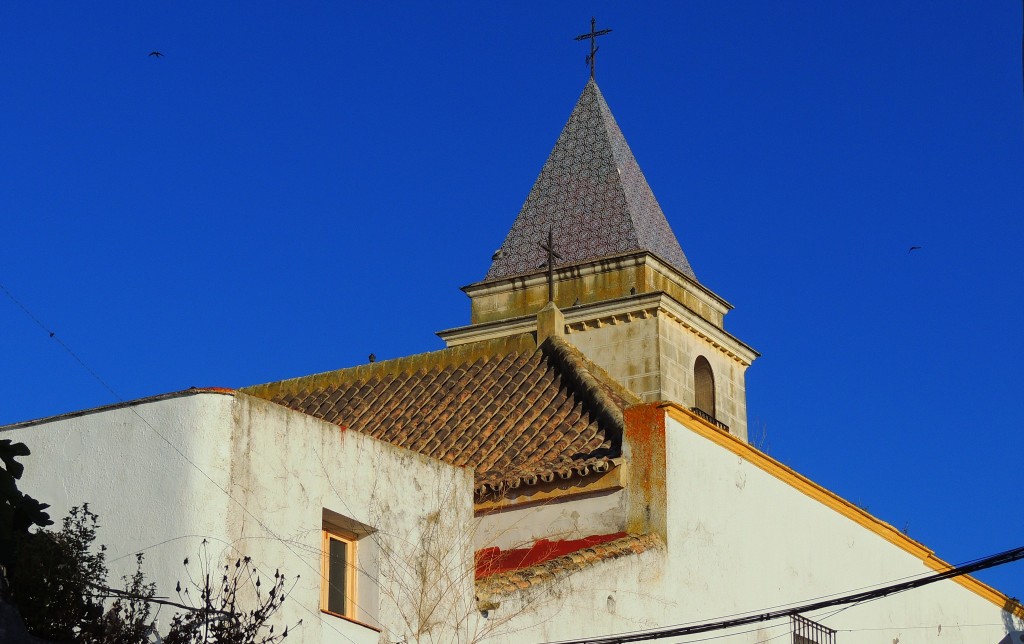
(913,248)
(156,53)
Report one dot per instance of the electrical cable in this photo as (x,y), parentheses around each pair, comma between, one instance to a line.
(804,601)
(980,564)
(918,628)
(54,335)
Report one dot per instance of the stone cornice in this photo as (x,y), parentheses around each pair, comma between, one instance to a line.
(592,267)
(610,312)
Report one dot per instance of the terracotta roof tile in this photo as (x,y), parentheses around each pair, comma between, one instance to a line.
(514,412)
(560,567)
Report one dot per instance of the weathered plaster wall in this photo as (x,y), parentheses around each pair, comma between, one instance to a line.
(615,596)
(284,468)
(740,535)
(556,519)
(147,495)
(643,447)
(290,466)
(741,539)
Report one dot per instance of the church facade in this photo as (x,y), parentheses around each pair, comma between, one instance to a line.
(573,466)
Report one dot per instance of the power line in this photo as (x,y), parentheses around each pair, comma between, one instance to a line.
(869,595)
(919,628)
(801,602)
(796,603)
(53,334)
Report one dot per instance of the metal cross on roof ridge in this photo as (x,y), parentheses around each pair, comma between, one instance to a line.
(552,254)
(593,38)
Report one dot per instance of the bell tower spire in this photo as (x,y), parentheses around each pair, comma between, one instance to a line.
(593,195)
(622,290)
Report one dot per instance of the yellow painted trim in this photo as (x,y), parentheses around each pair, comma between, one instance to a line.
(349,539)
(832,500)
(350,619)
(555,491)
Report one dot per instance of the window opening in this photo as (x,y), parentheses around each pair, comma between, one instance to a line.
(338,573)
(704,386)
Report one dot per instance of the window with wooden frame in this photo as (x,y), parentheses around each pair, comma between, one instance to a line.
(338,573)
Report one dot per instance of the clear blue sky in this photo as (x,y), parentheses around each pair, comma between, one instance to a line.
(295,185)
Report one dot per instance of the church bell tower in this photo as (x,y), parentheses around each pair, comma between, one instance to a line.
(618,285)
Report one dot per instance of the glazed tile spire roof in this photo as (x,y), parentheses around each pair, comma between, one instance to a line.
(593,196)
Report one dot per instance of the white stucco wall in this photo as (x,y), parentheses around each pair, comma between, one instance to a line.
(738,539)
(285,469)
(147,495)
(291,466)
(743,540)
(557,519)
(617,596)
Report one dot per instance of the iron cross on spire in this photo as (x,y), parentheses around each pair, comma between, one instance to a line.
(593,38)
(549,248)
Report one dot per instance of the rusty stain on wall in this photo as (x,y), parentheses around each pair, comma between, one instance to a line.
(644,450)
